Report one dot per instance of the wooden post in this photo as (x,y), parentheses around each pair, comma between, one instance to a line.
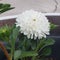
(5,51)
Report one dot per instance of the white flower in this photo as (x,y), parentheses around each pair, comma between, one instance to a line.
(33,24)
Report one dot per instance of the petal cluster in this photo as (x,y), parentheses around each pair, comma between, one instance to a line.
(33,24)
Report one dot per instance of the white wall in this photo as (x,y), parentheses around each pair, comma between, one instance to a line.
(40,5)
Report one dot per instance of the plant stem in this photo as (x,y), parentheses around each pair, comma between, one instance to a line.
(5,51)
(11,54)
(36,50)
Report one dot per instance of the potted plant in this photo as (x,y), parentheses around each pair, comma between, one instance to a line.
(27,38)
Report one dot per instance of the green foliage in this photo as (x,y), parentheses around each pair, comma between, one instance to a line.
(42,46)
(25,47)
(46,52)
(44,43)
(33,44)
(49,42)
(36,45)
(53,26)
(14,34)
(28,54)
(17,54)
(22,54)
(13,38)
(5,32)
(5,7)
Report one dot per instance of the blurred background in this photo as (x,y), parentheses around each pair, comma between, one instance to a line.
(45,6)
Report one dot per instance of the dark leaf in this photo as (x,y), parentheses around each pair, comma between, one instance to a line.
(22,54)
(46,52)
(28,54)
(49,42)
(14,35)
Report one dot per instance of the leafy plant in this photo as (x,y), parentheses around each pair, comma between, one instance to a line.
(5,32)
(20,47)
(26,47)
(5,7)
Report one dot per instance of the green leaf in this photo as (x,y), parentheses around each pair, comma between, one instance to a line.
(43,43)
(33,44)
(5,7)
(22,54)
(49,42)
(13,38)
(46,52)
(28,54)
(40,44)
(14,34)
(53,26)
(17,54)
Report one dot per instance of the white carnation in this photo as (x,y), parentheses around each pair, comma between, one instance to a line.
(33,24)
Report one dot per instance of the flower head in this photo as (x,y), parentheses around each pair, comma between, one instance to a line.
(33,24)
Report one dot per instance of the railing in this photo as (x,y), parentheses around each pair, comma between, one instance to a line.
(15,16)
